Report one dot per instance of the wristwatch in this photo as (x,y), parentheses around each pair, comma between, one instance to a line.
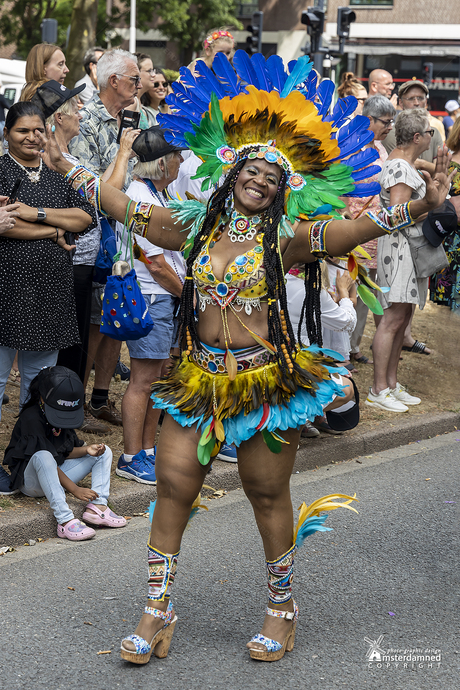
(41,215)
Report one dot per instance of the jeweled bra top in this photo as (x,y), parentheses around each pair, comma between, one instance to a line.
(244,280)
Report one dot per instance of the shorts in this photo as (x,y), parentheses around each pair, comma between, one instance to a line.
(163,336)
(96,304)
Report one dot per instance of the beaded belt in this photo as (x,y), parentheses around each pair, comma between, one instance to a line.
(213,360)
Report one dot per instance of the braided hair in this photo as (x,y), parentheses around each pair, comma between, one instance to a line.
(280,331)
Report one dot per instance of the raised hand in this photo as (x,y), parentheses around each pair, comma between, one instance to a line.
(438,185)
(50,153)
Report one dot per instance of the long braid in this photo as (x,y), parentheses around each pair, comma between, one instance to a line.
(216,205)
(311,307)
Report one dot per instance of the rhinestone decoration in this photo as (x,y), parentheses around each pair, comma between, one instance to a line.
(296,182)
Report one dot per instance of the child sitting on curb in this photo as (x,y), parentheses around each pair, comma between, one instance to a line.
(46,458)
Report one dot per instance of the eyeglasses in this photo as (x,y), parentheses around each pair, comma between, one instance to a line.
(362,99)
(430,132)
(387,123)
(412,99)
(159,84)
(135,80)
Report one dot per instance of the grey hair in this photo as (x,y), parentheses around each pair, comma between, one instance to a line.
(112,62)
(90,57)
(378,106)
(408,123)
(67,108)
(151,169)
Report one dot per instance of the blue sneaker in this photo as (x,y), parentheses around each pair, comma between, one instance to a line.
(151,458)
(227,453)
(5,481)
(138,469)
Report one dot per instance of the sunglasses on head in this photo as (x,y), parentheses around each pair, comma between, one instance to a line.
(158,84)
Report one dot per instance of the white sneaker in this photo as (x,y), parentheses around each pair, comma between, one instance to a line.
(403,396)
(386,401)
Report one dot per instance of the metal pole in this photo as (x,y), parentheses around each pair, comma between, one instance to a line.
(318,57)
(132,28)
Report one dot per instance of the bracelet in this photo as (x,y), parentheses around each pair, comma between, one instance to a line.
(140,218)
(317,236)
(87,184)
(393,218)
(57,235)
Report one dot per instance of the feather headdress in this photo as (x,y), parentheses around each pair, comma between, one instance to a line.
(256,109)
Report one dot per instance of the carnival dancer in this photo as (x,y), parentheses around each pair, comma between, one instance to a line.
(241,375)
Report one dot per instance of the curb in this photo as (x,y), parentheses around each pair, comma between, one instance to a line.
(16,528)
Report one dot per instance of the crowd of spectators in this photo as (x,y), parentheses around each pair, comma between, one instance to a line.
(50,305)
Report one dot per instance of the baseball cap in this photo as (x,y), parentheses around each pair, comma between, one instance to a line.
(440,223)
(63,395)
(51,95)
(346,416)
(151,144)
(452,105)
(409,84)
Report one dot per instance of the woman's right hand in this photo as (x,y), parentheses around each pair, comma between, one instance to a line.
(127,139)
(438,185)
(8,214)
(50,153)
(61,241)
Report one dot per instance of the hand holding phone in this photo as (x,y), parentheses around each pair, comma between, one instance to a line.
(129,118)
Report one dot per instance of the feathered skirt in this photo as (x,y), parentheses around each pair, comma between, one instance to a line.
(198,390)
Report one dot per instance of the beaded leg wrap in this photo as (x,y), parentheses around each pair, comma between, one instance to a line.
(280,574)
(162,570)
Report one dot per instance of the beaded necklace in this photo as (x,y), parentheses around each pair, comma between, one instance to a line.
(32,173)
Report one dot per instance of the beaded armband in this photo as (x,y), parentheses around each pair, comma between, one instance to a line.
(140,218)
(393,218)
(317,238)
(87,184)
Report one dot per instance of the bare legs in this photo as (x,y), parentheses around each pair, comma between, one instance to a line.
(387,345)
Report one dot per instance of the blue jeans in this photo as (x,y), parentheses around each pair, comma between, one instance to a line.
(41,479)
(30,363)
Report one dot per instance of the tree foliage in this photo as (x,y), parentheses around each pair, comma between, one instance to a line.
(185,21)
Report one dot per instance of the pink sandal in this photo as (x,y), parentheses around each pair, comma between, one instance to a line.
(103,518)
(75,531)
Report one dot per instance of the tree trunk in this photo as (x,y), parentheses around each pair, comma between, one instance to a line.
(82,36)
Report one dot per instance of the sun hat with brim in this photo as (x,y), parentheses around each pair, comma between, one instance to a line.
(409,84)
(451,106)
(51,95)
(151,145)
(440,223)
(63,396)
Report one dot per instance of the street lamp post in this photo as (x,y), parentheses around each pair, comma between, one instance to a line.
(132,28)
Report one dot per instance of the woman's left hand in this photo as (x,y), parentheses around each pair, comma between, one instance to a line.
(27,213)
(95,449)
(437,186)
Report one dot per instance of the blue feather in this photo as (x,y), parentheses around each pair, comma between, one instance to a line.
(358,125)
(226,75)
(245,68)
(310,526)
(151,509)
(258,61)
(355,144)
(180,89)
(278,76)
(291,65)
(363,158)
(207,80)
(302,69)
(344,109)
(189,81)
(364,173)
(324,93)
(365,189)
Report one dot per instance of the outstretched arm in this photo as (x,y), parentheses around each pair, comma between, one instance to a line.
(344,235)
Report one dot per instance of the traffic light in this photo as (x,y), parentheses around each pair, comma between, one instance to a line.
(345,17)
(313,17)
(254,40)
(427,73)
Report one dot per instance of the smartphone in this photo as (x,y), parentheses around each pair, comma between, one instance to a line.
(15,191)
(129,118)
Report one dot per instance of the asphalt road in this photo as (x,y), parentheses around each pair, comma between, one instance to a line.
(392,570)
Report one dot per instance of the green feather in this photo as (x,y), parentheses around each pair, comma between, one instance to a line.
(271,442)
(204,452)
(370,300)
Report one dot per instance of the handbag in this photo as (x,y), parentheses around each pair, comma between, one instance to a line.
(427,258)
(107,250)
(125,315)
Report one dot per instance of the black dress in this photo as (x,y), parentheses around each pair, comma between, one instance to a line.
(37,304)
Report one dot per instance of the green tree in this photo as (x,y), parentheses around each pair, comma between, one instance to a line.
(186,21)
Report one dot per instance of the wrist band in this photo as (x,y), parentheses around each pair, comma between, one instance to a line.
(57,235)
(393,218)
(317,237)
(87,184)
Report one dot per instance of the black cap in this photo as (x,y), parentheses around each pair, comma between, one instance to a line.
(63,395)
(151,144)
(343,420)
(440,223)
(51,95)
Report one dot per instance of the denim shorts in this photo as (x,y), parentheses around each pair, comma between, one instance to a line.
(97,295)
(163,336)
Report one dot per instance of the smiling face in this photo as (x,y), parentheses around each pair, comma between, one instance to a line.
(22,140)
(56,68)
(256,186)
(157,89)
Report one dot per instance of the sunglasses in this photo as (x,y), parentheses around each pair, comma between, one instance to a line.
(159,84)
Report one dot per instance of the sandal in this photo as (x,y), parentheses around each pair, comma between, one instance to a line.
(104,518)
(75,531)
(159,644)
(275,650)
(418,347)
(362,359)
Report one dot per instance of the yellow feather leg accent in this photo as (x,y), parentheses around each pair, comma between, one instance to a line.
(219,430)
(322,504)
(231,364)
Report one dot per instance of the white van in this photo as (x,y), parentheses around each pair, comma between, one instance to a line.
(12,78)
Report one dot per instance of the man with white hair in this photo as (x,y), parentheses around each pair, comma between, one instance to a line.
(95,147)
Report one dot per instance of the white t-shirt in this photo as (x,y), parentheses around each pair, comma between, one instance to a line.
(138,191)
